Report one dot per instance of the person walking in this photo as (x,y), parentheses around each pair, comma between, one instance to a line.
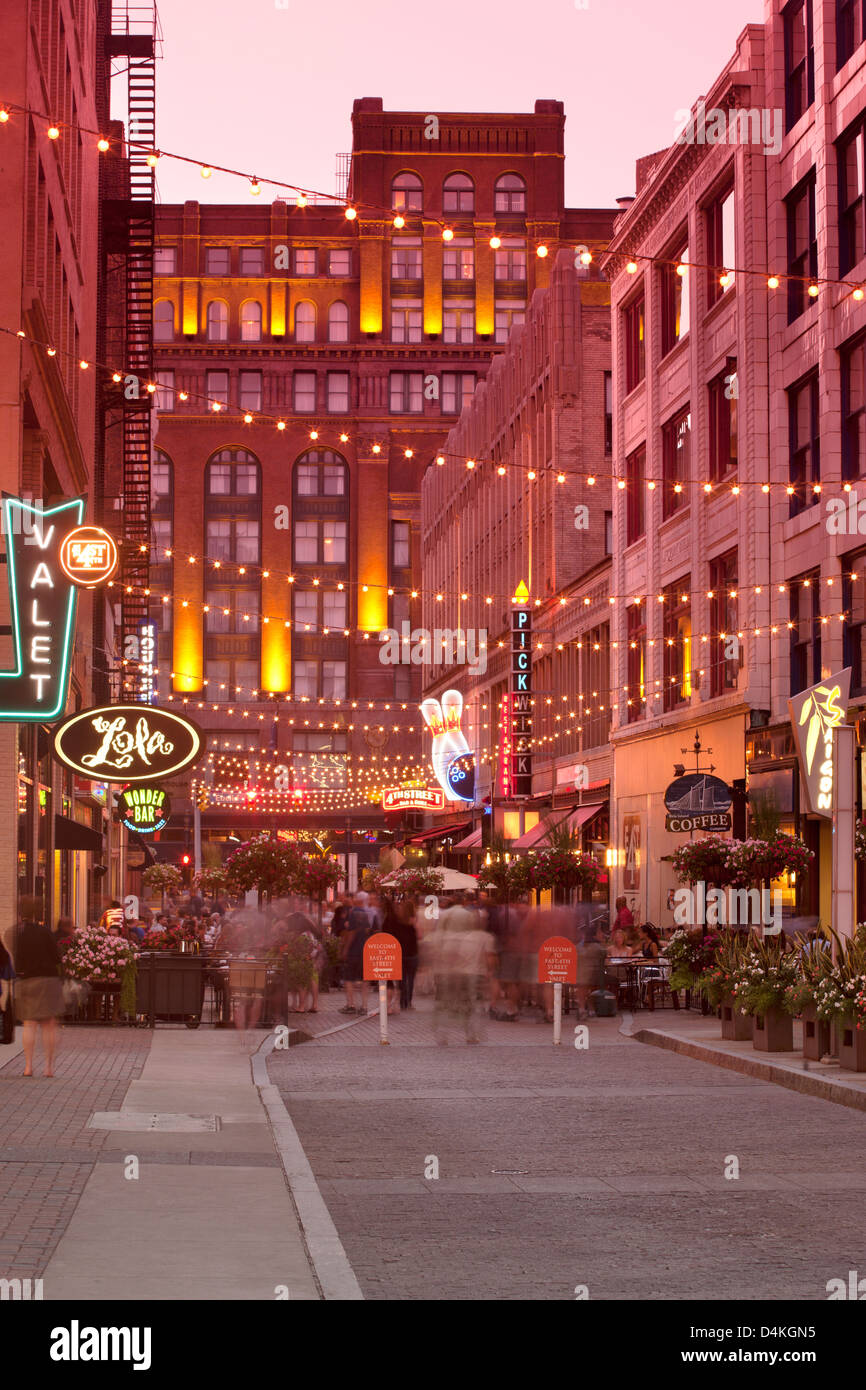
(38,989)
(590,969)
(403,928)
(358,928)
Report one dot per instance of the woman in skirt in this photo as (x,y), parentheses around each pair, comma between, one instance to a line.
(38,989)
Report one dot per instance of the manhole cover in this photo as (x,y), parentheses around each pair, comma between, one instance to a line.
(141,1121)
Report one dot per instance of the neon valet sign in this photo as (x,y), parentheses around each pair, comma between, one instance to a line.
(43,604)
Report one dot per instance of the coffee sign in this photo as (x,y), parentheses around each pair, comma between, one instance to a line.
(144,809)
(128,743)
(698,801)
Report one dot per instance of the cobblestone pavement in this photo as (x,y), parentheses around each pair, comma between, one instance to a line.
(46,1153)
(602,1167)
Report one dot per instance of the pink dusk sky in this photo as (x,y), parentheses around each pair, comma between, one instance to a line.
(267,86)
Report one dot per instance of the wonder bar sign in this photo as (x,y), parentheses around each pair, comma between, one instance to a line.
(42,599)
(815,713)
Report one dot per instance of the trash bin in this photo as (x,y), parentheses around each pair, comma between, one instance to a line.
(170,987)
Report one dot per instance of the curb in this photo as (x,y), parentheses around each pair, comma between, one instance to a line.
(325,1250)
(806,1082)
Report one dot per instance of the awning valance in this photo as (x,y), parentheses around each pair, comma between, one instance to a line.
(71,834)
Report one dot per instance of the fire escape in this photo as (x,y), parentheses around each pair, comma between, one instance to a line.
(133,37)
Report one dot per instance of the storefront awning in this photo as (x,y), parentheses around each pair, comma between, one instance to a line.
(71,834)
(439,833)
(536,838)
(472,841)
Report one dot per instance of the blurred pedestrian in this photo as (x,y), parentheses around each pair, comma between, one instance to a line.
(38,990)
(462,954)
(590,969)
(406,933)
(352,940)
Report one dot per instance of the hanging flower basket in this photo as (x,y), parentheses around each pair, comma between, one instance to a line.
(703,861)
(562,869)
(753,862)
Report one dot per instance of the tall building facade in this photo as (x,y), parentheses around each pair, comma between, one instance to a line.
(309,366)
(738,368)
(520,499)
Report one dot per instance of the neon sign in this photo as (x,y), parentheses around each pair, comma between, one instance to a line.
(88,556)
(128,743)
(144,809)
(413,799)
(452,759)
(815,713)
(520,694)
(43,601)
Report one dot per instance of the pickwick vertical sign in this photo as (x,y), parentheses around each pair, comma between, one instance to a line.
(520,694)
(42,600)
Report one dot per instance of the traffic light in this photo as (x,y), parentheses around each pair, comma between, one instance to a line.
(185,860)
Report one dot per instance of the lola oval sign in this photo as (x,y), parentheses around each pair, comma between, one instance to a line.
(127,743)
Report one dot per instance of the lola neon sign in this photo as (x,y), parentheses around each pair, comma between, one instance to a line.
(43,602)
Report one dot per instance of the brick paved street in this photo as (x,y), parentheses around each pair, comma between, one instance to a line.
(562,1167)
(46,1152)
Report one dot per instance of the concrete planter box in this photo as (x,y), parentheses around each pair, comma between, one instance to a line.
(773,1032)
(816,1035)
(736,1026)
(852,1046)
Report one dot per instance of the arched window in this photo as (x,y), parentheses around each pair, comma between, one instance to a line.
(338,322)
(407,193)
(217,321)
(510,194)
(305,322)
(458,194)
(251,321)
(232,473)
(163,321)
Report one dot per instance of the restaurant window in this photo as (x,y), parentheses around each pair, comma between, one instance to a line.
(802,246)
(724,649)
(635,480)
(804,600)
(852,209)
(721,249)
(676,456)
(804,444)
(723,413)
(849,29)
(799,60)
(853,409)
(634,325)
(675,300)
(636,663)
(677,646)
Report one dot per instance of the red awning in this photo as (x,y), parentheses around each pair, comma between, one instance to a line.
(439,833)
(472,841)
(536,838)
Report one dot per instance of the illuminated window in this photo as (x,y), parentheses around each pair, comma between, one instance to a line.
(676,455)
(675,300)
(458,259)
(407,193)
(677,632)
(634,328)
(721,245)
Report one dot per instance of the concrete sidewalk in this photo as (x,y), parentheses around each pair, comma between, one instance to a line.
(189,1199)
(692,1035)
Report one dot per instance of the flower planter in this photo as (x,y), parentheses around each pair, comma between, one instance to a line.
(773,1032)
(736,1026)
(816,1035)
(852,1045)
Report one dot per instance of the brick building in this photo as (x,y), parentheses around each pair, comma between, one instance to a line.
(512,504)
(737,423)
(351,345)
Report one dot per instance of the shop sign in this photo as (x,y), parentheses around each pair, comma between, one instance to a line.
(452,759)
(144,809)
(557,961)
(88,556)
(383,957)
(698,801)
(412,799)
(128,743)
(42,602)
(520,695)
(815,713)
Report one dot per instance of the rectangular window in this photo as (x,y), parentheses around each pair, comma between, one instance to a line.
(636,663)
(634,325)
(232,540)
(339,261)
(849,29)
(305,608)
(804,444)
(854,629)
(458,321)
(305,680)
(252,260)
(507,315)
(304,392)
(608,533)
(334,611)
(721,247)
(161,532)
(250,397)
(338,392)
(635,470)
(723,402)
(724,651)
(407,325)
(305,260)
(400,545)
(334,680)
(608,412)
(854,410)
(510,261)
(677,632)
(675,300)
(165,260)
(676,456)
(799,60)
(217,260)
(457,391)
(232,480)
(805,615)
(217,387)
(406,259)
(164,390)
(458,260)
(160,479)
(802,246)
(334,542)
(232,610)
(852,237)
(407,393)
(306,542)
